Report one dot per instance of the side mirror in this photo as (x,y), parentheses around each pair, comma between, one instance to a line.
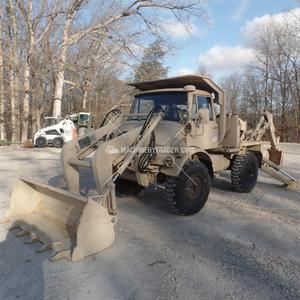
(185,115)
(203,114)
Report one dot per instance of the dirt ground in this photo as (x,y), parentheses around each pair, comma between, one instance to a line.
(242,246)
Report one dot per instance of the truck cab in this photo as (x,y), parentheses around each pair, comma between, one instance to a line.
(192,105)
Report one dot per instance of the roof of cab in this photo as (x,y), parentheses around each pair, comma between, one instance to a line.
(199,81)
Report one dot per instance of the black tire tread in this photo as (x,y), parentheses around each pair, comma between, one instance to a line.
(238,163)
(171,184)
(41,138)
(56,139)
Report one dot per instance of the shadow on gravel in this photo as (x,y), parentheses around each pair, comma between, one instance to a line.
(153,199)
(21,270)
(221,184)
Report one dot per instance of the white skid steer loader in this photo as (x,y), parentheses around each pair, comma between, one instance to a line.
(56,132)
(178,114)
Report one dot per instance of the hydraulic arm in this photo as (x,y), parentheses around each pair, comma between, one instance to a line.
(72,225)
(272,164)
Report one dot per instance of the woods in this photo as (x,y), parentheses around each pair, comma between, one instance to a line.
(60,57)
(271,81)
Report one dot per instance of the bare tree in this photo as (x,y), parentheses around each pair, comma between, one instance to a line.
(2,103)
(32,24)
(272,81)
(203,70)
(117,13)
(13,65)
(232,87)
(50,49)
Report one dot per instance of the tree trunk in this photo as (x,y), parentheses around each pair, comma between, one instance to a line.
(26,101)
(27,74)
(38,119)
(12,71)
(2,104)
(84,99)
(60,75)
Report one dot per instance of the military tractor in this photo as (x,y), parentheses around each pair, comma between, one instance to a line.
(177,135)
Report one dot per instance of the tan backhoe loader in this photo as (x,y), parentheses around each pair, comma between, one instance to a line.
(177,135)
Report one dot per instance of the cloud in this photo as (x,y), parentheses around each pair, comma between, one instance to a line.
(241,9)
(226,59)
(184,71)
(281,19)
(177,29)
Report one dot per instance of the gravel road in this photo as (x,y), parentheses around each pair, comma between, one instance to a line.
(241,246)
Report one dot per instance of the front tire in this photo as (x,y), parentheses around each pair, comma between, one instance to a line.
(188,192)
(58,142)
(244,171)
(41,142)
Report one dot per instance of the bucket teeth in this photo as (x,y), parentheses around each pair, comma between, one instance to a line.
(44,248)
(22,233)
(32,240)
(15,226)
(3,221)
(61,255)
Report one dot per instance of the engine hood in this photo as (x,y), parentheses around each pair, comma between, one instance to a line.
(164,132)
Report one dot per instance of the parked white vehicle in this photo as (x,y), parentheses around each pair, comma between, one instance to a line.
(57,131)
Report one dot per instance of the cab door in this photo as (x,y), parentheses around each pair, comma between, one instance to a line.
(206,127)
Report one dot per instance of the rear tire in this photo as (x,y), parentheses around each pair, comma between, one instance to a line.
(244,171)
(58,142)
(41,142)
(187,193)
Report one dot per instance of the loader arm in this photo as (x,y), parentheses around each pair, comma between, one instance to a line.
(74,152)
(72,225)
(109,161)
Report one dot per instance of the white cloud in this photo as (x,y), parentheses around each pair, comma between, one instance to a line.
(241,9)
(252,27)
(226,59)
(179,30)
(184,71)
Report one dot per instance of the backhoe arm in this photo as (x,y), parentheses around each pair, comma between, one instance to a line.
(272,165)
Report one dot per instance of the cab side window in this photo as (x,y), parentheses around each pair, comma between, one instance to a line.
(205,102)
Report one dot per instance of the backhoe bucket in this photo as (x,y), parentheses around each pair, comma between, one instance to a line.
(70,224)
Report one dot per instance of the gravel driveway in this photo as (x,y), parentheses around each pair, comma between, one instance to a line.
(243,246)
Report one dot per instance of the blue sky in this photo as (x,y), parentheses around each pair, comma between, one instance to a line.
(230,26)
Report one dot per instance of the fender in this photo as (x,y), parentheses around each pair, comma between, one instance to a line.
(192,152)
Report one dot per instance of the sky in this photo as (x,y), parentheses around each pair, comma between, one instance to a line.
(222,44)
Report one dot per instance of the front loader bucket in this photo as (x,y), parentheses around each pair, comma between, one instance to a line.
(70,224)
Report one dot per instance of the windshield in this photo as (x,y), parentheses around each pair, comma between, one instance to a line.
(171,102)
(84,118)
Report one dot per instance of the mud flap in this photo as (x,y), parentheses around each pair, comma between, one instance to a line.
(70,224)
